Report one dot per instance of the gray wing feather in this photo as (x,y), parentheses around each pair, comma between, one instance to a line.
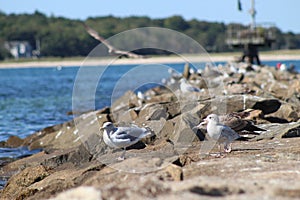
(124,136)
(229,133)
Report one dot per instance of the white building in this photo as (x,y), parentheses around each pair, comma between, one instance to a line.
(19,49)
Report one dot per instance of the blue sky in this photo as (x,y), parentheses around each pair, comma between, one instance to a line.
(283,13)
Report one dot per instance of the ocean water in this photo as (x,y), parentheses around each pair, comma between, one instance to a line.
(34,98)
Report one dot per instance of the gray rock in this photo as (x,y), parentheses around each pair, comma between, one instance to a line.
(14,141)
(173,108)
(286,113)
(18,185)
(279,131)
(82,192)
(152,112)
(184,134)
(123,104)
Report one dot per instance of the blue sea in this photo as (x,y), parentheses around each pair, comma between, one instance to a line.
(34,98)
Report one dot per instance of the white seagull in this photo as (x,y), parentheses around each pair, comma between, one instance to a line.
(122,137)
(219,132)
(186,87)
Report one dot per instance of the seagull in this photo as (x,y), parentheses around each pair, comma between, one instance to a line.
(219,132)
(111,49)
(237,122)
(186,87)
(174,74)
(141,99)
(122,137)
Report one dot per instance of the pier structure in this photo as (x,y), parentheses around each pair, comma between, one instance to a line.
(250,38)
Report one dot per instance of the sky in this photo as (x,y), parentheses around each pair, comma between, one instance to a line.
(282,13)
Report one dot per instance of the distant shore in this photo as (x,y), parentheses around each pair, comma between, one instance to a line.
(215,57)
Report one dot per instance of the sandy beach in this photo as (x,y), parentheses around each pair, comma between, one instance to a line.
(222,57)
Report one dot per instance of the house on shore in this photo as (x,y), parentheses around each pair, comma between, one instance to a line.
(19,49)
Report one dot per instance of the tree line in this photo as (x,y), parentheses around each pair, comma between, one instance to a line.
(62,37)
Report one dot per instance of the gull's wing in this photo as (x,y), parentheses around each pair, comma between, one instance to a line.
(189,87)
(125,136)
(192,88)
(132,132)
(229,133)
(111,48)
(95,35)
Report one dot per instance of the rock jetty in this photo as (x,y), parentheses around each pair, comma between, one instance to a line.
(177,162)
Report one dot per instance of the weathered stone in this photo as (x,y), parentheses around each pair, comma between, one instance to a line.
(152,112)
(279,131)
(237,89)
(127,116)
(102,118)
(14,141)
(199,110)
(294,131)
(40,134)
(163,98)
(254,114)
(128,100)
(267,106)
(235,103)
(184,134)
(278,89)
(166,132)
(155,126)
(61,139)
(16,187)
(82,192)
(286,112)
(105,110)
(186,71)
(171,173)
(123,104)
(173,109)
(295,85)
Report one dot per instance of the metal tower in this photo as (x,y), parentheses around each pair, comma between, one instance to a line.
(250,38)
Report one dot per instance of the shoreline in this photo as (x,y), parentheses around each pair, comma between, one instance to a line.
(222,57)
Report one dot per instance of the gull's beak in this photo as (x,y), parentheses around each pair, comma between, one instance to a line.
(204,122)
(101,129)
(195,127)
(201,124)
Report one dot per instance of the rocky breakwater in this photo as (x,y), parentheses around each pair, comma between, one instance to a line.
(176,162)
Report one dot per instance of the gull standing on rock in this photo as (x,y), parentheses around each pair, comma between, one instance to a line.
(122,137)
(219,132)
(186,87)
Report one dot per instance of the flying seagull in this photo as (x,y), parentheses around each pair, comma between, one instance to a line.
(111,49)
(122,137)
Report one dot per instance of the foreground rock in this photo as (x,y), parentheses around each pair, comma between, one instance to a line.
(174,164)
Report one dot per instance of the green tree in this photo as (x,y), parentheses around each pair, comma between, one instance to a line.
(176,23)
(63,37)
